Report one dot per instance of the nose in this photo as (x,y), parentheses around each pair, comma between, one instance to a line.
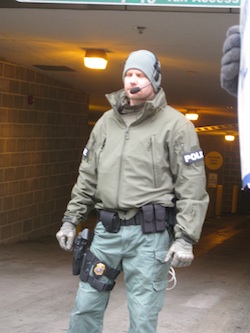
(133,78)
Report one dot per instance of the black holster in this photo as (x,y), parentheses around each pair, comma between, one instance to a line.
(171,218)
(80,246)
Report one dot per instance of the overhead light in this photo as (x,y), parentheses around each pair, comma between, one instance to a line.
(192,115)
(229,137)
(95,59)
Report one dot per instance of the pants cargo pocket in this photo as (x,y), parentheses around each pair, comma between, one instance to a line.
(160,281)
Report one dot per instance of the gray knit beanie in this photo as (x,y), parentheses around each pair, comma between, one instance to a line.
(146,62)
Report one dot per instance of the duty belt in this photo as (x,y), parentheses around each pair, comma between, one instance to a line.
(151,217)
(135,220)
(112,222)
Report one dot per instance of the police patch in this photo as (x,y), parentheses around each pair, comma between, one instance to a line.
(194,156)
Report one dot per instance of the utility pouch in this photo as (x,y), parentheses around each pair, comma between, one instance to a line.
(110,221)
(148,223)
(160,218)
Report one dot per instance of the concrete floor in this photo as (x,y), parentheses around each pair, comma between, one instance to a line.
(37,289)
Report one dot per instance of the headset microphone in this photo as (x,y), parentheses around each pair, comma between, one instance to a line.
(137,89)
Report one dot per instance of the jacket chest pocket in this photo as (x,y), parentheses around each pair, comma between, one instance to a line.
(157,159)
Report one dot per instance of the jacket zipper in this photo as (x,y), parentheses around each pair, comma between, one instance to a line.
(121,164)
(153,160)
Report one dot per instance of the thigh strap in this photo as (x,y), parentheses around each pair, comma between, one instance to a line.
(100,268)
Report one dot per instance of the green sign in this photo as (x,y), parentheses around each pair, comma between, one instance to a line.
(175,3)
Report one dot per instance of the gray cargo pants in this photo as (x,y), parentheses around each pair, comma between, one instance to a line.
(141,258)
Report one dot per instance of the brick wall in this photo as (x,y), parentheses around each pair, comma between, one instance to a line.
(40,150)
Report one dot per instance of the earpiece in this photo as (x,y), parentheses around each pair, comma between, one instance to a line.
(157,69)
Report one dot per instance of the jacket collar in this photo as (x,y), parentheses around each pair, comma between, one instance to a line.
(118,100)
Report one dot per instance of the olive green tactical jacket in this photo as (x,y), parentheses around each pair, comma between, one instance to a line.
(157,159)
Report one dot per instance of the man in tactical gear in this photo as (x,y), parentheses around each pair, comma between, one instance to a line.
(143,171)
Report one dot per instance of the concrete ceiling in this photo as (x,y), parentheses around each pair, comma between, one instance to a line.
(188,43)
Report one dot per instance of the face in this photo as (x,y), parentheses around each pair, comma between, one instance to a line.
(135,78)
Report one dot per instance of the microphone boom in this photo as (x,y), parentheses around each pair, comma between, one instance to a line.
(137,89)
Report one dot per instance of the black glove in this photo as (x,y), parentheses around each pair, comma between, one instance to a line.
(230,62)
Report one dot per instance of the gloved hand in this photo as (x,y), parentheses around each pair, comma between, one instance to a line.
(181,253)
(230,62)
(66,236)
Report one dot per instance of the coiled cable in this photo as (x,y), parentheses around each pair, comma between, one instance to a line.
(172,278)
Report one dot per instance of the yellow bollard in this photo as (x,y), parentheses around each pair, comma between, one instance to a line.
(218,200)
(234,199)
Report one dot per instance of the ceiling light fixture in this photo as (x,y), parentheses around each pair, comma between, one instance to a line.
(192,115)
(95,59)
(229,137)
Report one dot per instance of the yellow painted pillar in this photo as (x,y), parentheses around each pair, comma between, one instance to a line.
(234,199)
(218,200)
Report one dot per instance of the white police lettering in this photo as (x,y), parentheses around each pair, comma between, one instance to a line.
(85,152)
(193,157)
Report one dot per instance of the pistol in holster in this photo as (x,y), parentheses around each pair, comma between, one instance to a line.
(81,244)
